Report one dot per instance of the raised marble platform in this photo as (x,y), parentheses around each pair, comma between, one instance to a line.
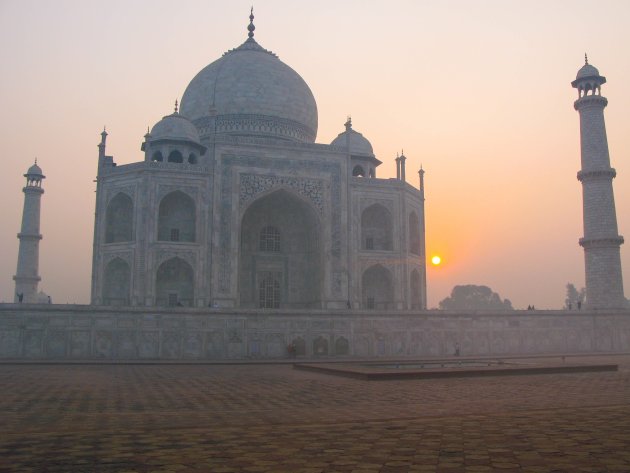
(83,332)
(450,368)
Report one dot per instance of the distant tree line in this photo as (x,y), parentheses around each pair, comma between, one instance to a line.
(472,297)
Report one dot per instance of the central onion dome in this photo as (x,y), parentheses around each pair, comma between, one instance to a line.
(249,91)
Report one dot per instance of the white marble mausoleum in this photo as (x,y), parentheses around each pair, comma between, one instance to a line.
(235,205)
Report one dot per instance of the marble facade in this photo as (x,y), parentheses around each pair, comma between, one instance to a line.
(236,206)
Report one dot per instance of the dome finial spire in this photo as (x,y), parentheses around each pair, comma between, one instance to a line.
(585,59)
(348,123)
(176,106)
(251,26)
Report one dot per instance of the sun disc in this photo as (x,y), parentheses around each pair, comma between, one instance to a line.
(436,260)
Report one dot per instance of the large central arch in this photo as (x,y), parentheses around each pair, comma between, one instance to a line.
(280,263)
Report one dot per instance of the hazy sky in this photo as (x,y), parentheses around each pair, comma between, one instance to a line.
(478,92)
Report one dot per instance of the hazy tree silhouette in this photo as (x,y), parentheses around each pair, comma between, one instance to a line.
(574,297)
(472,297)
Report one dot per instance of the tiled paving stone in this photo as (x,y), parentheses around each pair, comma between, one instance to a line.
(271,418)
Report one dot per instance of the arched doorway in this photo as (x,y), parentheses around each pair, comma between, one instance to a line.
(280,264)
(174,284)
(116,283)
(358,171)
(377,288)
(175,157)
(320,346)
(342,346)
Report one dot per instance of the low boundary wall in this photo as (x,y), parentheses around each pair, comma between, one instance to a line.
(83,332)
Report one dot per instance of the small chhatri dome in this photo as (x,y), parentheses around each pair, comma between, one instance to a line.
(175,127)
(250,92)
(588,78)
(587,70)
(359,145)
(34,171)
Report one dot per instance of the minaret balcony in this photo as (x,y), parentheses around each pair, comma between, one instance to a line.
(27,279)
(590,101)
(610,242)
(599,174)
(29,236)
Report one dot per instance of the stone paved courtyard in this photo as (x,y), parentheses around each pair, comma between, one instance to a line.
(271,418)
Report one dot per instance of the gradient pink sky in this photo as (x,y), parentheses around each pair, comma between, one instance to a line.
(478,92)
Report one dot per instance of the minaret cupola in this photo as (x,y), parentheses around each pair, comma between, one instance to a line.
(588,81)
(34,176)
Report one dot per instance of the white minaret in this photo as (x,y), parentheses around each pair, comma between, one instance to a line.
(26,277)
(601,242)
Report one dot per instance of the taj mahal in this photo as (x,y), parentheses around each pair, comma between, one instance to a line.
(235,205)
(239,234)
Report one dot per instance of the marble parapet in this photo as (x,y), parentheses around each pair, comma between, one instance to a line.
(83,332)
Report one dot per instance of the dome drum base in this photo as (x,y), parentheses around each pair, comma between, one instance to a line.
(248,124)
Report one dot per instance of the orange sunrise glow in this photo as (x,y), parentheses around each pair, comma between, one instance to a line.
(478,93)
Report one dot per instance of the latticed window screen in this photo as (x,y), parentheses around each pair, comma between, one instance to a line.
(269,290)
(270,239)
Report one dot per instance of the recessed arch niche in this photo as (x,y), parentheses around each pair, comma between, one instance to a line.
(414,283)
(414,233)
(174,283)
(116,282)
(376,228)
(377,288)
(176,218)
(119,219)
